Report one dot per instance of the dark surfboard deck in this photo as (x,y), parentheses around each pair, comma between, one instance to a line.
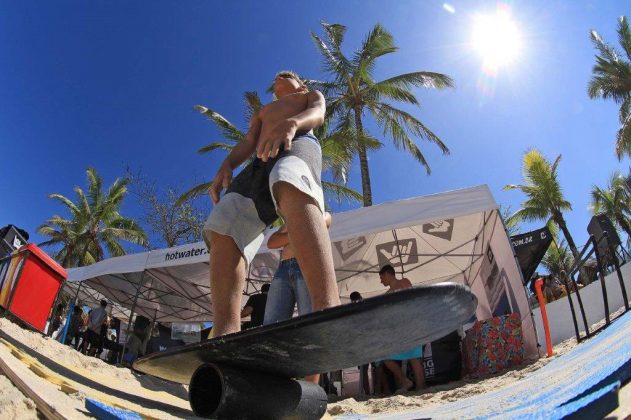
(327,340)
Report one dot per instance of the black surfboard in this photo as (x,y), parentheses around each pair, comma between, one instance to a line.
(323,341)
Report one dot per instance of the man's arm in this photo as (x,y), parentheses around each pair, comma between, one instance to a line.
(284,132)
(248,308)
(246,311)
(279,239)
(237,156)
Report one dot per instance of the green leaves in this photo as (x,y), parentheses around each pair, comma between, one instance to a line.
(95,218)
(353,90)
(611,79)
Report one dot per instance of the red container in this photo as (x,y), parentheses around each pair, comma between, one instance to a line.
(34,286)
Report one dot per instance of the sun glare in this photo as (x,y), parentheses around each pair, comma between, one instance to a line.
(496,38)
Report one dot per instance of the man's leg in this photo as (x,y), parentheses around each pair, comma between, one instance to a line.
(227,276)
(312,246)
(363,372)
(419,373)
(403,382)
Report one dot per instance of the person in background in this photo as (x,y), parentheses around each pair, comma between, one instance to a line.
(412,356)
(364,382)
(255,307)
(74,329)
(96,318)
(56,319)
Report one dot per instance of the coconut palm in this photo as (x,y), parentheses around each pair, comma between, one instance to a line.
(545,199)
(337,153)
(95,224)
(611,79)
(614,201)
(353,92)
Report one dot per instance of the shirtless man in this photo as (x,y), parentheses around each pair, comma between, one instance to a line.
(412,356)
(284,178)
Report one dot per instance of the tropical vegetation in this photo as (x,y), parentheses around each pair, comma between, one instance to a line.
(95,225)
(611,79)
(353,92)
(337,152)
(545,200)
(614,201)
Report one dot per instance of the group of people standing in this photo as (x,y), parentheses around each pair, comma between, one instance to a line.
(87,333)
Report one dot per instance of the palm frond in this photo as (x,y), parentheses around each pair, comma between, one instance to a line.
(253,104)
(395,122)
(341,193)
(215,146)
(624,36)
(227,129)
(94,186)
(378,42)
(194,192)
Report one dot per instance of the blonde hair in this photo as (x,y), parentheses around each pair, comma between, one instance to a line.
(292,75)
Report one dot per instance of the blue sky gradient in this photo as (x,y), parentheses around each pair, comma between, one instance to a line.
(111,84)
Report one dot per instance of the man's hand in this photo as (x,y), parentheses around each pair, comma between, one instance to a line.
(221,182)
(282,134)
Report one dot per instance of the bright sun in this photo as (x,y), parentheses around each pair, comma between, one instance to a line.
(496,38)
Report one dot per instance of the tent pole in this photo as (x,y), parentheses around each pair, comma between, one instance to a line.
(76,296)
(396,239)
(131,314)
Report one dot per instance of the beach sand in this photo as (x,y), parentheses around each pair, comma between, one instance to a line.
(122,382)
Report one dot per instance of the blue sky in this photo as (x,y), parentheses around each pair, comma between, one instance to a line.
(110,84)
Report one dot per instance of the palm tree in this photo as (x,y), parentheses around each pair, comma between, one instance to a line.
(558,258)
(614,201)
(95,223)
(545,198)
(353,92)
(337,152)
(611,79)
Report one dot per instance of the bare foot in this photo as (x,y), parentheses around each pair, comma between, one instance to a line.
(406,386)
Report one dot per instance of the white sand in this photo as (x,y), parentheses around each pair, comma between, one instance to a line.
(13,404)
(112,383)
(442,394)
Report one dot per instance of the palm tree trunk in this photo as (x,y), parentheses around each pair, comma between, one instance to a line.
(560,221)
(363,160)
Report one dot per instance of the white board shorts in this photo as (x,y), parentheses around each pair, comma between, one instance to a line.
(248,207)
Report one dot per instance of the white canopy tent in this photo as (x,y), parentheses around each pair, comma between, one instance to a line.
(453,236)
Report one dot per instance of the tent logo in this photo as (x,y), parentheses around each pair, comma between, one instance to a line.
(440,228)
(350,246)
(398,253)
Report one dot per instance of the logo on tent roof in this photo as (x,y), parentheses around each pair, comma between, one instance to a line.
(397,253)
(350,246)
(440,228)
